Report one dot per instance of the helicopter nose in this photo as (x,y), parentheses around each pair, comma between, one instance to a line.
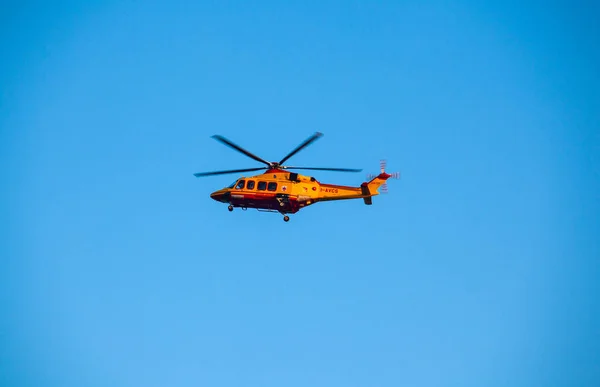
(219,196)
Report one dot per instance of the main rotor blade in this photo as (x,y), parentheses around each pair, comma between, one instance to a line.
(326,169)
(202,174)
(306,143)
(239,149)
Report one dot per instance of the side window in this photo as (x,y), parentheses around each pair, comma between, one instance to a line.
(250,184)
(240,184)
(262,185)
(272,186)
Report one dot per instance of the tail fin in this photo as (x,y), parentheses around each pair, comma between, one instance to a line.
(371,188)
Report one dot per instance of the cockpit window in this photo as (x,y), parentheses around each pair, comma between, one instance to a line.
(232,184)
(240,184)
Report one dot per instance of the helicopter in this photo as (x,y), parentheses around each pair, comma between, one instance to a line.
(281,191)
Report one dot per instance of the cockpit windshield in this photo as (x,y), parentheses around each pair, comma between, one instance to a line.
(232,184)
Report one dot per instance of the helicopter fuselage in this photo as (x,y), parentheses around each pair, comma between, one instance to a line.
(287,192)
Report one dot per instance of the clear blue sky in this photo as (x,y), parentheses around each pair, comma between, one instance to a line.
(480,267)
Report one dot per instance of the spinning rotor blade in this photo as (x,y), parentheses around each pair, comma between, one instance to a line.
(326,169)
(239,149)
(306,143)
(202,174)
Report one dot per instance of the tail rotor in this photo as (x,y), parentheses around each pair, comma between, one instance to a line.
(393,175)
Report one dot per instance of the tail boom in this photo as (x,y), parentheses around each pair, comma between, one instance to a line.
(366,191)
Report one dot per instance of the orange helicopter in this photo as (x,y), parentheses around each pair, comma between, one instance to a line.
(277,190)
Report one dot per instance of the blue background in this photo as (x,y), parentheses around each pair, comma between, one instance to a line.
(478,268)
